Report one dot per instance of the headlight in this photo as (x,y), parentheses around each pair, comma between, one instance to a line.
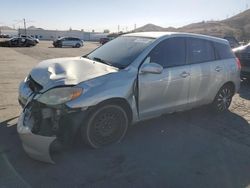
(60,95)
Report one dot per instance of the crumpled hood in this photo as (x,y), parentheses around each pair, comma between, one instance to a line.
(68,71)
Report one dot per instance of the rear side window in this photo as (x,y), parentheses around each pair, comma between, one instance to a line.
(223,51)
(71,38)
(200,50)
(169,53)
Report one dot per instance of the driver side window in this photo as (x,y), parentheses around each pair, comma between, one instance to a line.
(170,52)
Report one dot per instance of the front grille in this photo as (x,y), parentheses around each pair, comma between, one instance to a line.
(33,85)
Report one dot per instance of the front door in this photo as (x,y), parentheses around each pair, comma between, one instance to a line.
(66,42)
(168,91)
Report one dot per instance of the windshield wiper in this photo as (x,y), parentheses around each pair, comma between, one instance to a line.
(86,56)
(102,61)
(97,59)
(105,62)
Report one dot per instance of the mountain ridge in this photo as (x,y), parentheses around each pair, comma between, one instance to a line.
(238,26)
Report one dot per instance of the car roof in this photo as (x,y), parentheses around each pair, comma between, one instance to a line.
(157,35)
(149,34)
(74,38)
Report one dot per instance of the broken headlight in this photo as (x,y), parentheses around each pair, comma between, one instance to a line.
(60,95)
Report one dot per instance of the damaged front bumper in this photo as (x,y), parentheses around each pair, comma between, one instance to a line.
(44,129)
(36,146)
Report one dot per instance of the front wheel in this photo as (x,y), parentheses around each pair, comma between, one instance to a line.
(107,124)
(223,98)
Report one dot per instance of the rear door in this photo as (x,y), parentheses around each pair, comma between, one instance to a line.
(206,71)
(168,91)
(73,41)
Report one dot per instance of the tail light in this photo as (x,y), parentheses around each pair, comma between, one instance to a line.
(238,63)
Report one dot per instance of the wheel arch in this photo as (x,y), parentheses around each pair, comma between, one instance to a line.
(77,45)
(231,84)
(123,103)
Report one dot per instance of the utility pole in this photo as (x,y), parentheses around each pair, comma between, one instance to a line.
(0,29)
(24,24)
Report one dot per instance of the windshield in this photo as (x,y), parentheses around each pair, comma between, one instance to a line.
(121,51)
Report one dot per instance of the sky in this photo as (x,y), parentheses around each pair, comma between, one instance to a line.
(108,14)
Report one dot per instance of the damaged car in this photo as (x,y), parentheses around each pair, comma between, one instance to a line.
(131,78)
(18,42)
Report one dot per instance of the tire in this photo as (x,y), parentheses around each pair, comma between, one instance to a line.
(58,46)
(223,98)
(78,45)
(106,125)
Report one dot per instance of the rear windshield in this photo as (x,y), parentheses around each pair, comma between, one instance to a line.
(223,51)
(121,51)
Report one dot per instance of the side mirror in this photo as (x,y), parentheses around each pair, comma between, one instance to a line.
(152,68)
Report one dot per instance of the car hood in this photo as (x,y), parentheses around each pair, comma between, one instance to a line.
(68,71)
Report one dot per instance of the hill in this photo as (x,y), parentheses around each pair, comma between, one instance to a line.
(149,27)
(238,26)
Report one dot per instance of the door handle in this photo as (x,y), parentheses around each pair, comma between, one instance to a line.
(184,74)
(218,68)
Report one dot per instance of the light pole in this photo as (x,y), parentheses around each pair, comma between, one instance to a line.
(24,24)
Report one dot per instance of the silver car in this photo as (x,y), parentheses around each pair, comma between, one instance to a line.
(132,78)
(68,42)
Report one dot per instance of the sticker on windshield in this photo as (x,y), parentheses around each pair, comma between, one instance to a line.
(143,40)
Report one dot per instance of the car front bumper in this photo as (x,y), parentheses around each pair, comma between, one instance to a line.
(36,146)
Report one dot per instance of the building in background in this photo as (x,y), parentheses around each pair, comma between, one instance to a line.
(8,31)
(43,34)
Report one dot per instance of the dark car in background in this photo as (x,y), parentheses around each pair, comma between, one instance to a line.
(243,54)
(68,42)
(30,37)
(18,42)
(4,36)
(104,40)
(232,41)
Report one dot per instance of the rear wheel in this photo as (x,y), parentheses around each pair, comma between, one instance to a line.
(107,124)
(223,98)
(77,45)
